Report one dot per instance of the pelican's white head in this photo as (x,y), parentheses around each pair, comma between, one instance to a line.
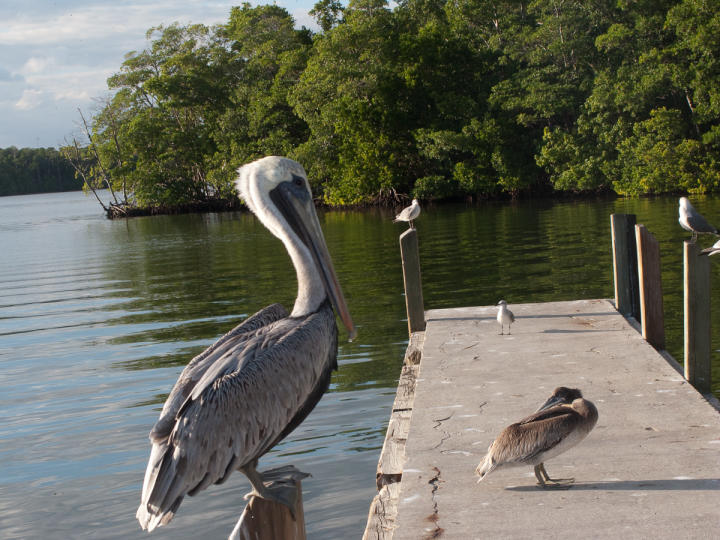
(277,191)
(257,179)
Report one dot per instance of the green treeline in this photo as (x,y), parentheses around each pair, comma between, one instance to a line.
(431,98)
(35,170)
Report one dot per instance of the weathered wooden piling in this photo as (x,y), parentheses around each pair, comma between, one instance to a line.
(696,274)
(410,255)
(625,270)
(269,520)
(650,282)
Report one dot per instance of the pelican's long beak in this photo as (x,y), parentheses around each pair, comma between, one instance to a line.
(551,402)
(295,202)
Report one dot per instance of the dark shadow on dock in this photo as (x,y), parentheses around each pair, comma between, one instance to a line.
(690,484)
(576,331)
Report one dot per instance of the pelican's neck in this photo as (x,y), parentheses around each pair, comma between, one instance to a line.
(311,290)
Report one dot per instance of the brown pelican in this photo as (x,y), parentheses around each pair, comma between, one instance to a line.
(692,220)
(504,316)
(409,213)
(560,423)
(251,388)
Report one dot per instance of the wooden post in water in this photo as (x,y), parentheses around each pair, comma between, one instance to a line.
(697,316)
(269,520)
(410,254)
(651,300)
(625,270)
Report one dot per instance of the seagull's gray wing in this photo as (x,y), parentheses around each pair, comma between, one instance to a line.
(259,394)
(698,223)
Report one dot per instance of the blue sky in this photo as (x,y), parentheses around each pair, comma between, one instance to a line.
(55,56)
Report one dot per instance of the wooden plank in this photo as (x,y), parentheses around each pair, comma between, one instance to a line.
(383,511)
(413,353)
(410,255)
(697,316)
(651,300)
(624,249)
(406,388)
(392,457)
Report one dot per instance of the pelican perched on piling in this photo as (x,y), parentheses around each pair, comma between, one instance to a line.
(693,221)
(409,213)
(560,423)
(251,388)
(504,316)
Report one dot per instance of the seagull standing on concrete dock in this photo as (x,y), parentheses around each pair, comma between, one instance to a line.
(504,316)
(409,214)
(693,221)
(560,423)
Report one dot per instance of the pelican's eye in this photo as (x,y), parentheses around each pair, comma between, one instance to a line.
(297,181)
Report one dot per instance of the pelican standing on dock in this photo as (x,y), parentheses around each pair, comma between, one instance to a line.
(409,213)
(560,423)
(693,221)
(249,390)
(504,316)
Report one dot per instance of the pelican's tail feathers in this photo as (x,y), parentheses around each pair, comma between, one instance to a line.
(162,492)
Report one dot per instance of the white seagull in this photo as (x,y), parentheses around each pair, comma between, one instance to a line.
(693,221)
(713,250)
(504,316)
(409,214)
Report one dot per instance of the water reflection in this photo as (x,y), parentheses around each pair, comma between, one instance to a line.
(97,319)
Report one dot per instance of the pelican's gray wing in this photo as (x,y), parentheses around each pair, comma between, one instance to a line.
(197,367)
(534,435)
(237,412)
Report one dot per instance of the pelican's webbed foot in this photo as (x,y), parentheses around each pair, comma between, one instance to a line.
(546,482)
(278,485)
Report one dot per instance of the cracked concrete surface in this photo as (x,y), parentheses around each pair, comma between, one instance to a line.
(651,467)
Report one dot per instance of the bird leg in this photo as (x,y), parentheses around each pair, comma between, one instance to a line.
(502,329)
(551,483)
(282,486)
(694,237)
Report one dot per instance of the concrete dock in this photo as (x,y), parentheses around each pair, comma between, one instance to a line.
(649,469)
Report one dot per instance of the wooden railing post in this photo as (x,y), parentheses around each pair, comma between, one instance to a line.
(410,255)
(651,300)
(625,271)
(269,520)
(697,316)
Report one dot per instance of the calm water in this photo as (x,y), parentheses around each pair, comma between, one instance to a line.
(98,317)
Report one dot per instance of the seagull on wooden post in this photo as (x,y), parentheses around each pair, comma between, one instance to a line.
(693,221)
(560,423)
(409,213)
(504,316)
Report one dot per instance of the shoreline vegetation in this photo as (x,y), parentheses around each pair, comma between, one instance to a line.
(430,99)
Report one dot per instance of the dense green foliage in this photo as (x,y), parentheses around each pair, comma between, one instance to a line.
(431,98)
(35,170)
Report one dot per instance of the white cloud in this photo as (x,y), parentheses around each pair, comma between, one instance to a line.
(34,64)
(57,56)
(30,100)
